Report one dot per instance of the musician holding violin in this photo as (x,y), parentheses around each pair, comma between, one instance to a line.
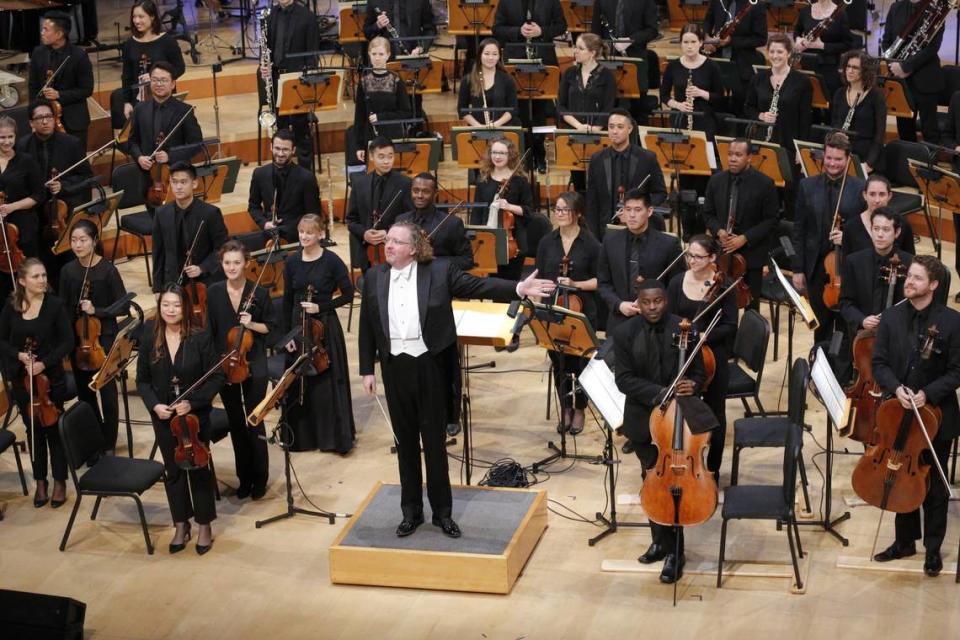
(282,191)
(917,357)
(740,210)
(445,230)
(568,255)
(240,316)
(35,337)
(319,410)
(174,356)
(89,285)
(21,190)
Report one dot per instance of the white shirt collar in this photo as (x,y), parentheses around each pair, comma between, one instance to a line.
(405,273)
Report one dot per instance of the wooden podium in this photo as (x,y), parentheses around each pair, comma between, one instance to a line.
(470,143)
(352,15)
(418,73)
(299,93)
(685,155)
(811,160)
(631,76)
(769,159)
(899,100)
(575,148)
(471,17)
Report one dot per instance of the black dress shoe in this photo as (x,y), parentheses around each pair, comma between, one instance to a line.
(933,564)
(408,526)
(541,165)
(258,492)
(671,572)
(448,526)
(956,298)
(177,548)
(654,553)
(896,551)
(453,429)
(627,447)
(37,500)
(243,492)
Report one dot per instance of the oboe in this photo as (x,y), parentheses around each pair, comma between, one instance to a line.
(689,100)
(774,108)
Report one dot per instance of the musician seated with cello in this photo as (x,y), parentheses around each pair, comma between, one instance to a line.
(568,256)
(240,315)
(741,209)
(174,357)
(376,199)
(930,377)
(35,337)
(647,360)
(445,231)
(282,192)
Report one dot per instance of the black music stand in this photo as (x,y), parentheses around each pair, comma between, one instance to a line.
(938,186)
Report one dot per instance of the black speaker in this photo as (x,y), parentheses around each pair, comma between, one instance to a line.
(37,616)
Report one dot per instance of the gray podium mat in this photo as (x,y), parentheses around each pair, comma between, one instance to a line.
(488,520)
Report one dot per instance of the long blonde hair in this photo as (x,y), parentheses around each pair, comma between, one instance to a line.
(476,84)
(18,297)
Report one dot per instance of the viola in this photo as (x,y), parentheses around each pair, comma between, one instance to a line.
(196,292)
(89,353)
(831,291)
(236,367)
(55,106)
(190,452)
(892,475)
(566,299)
(11,256)
(42,406)
(55,212)
(508,221)
(313,336)
(709,359)
(157,192)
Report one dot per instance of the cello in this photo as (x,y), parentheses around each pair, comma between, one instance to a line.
(196,291)
(190,451)
(831,263)
(89,353)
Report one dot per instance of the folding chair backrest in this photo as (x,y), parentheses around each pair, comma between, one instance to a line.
(81,436)
(797,392)
(791,453)
(753,337)
(128,178)
(896,153)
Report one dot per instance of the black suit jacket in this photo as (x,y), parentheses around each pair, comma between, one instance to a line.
(74,82)
(416,20)
(859,279)
(183,143)
(299,195)
(756,215)
(450,240)
(813,217)
(302,35)
(750,34)
(924,67)
(640,17)
(438,283)
(613,276)
(635,376)
(895,350)
(64,151)
(512,14)
(169,252)
(361,205)
(601,187)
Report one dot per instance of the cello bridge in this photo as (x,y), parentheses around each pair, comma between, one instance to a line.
(678,469)
(894,466)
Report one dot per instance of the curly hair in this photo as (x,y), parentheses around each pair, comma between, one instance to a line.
(422,248)
(513,156)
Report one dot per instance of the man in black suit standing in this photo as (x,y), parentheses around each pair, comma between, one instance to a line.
(176,228)
(637,22)
(618,169)
(740,209)
(637,251)
(932,380)
(383,194)
(409,19)
(446,232)
(72,84)
(291,187)
(741,47)
(406,320)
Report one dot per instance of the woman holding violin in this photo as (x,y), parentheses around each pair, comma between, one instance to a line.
(174,356)
(688,295)
(88,286)
(21,191)
(240,316)
(320,408)
(568,256)
(509,198)
(35,337)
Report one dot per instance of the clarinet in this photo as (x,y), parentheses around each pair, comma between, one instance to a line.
(849,119)
(483,92)
(531,50)
(268,118)
(689,100)
(774,107)
(394,33)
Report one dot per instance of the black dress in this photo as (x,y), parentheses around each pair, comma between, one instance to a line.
(518,192)
(502,95)
(598,95)
(163,49)
(794,109)
(381,92)
(22,179)
(707,77)
(837,39)
(868,127)
(106,287)
(325,419)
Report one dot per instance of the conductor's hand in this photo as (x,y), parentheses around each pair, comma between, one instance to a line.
(534,286)
(685,387)
(370,384)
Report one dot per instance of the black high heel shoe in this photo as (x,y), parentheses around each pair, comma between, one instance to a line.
(177,548)
(38,501)
(56,504)
(203,548)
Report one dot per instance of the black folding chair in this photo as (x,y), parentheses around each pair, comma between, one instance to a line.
(139,224)
(750,349)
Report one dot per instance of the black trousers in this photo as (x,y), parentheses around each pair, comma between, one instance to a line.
(47,444)
(563,366)
(956,231)
(663,535)
(926,106)
(716,398)
(79,134)
(249,443)
(539,112)
(754,280)
(935,507)
(110,416)
(117,100)
(190,493)
(418,413)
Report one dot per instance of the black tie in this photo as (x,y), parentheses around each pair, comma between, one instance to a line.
(158,108)
(636,243)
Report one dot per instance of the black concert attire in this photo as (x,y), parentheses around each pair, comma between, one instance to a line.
(868,126)
(750,34)
(173,232)
(411,377)
(22,179)
(164,49)
(502,95)
(584,254)
(372,192)
(518,192)
(863,292)
(925,80)
(896,361)
(856,237)
(598,95)
(297,194)
(381,92)
(239,400)
(53,335)
(816,202)
(325,418)
(293,30)
(626,255)
(637,20)
(190,493)
(706,77)
(646,363)
(608,171)
(720,340)
(509,18)
(106,287)
(837,39)
(411,19)
(753,198)
(794,110)
(74,82)
(951,140)
(449,241)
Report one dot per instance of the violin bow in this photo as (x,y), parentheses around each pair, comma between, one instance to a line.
(670,266)
(33,434)
(202,379)
(926,436)
(6,244)
(387,208)
(193,245)
(716,300)
(53,76)
(616,214)
(440,224)
(76,164)
(163,142)
(686,365)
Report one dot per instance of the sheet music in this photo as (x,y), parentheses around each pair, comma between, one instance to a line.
(831,393)
(600,386)
(711,155)
(799,302)
(482,323)
(544,130)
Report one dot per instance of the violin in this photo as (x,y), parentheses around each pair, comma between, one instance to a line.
(240,340)
(190,452)
(566,299)
(709,359)
(508,221)
(55,106)
(733,266)
(11,256)
(55,212)
(312,342)
(831,291)
(89,353)
(865,391)
(196,291)
(376,252)
(679,490)
(892,475)
(157,192)
(41,406)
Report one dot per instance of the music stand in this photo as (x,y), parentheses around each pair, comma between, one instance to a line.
(414,155)
(769,158)
(568,333)
(420,76)
(471,17)
(940,188)
(306,92)
(574,148)
(631,76)
(489,248)
(679,152)
(96,211)
(352,15)
(798,305)
(683,11)
(469,144)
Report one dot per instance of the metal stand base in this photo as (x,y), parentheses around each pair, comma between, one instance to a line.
(828,524)
(612,523)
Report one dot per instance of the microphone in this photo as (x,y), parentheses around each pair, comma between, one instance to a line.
(522,319)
